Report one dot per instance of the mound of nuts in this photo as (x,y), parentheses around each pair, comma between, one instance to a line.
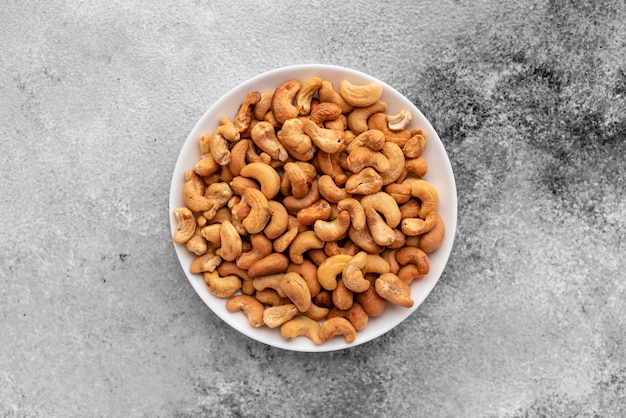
(308,210)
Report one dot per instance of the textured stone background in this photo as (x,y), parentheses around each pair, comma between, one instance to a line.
(98,319)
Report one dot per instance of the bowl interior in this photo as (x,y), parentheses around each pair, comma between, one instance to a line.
(439,174)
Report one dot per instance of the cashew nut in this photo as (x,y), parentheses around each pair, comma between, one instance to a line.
(330,164)
(360,95)
(308,271)
(282,101)
(371,138)
(197,244)
(328,271)
(279,220)
(384,204)
(263,105)
(342,297)
(222,286)
(327,140)
(306,93)
(271,281)
(432,239)
(294,204)
(325,112)
(193,193)
(382,233)
(408,273)
(231,242)
(267,177)
(302,243)
(364,240)
(330,191)
(206,262)
(416,256)
(296,142)
(301,326)
(400,120)
(333,230)
(271,264)
(395,156)
(417,166)
(419,226)
(391,288)
(238,156)
(259,215)
(357,119)
(276,316)
(357,316)
(252,308)
(337,326)
(353,273)
(264,136)
(428,196)
(243,118)
(414,147)
(186,225)
(284,241)
(219,194)
(299,180)
(366,181)
(327,93)
(218,142)
(356,211)
(319,210)
(205,166)
(296,289)
(371,302)
(361,157)
(379,121)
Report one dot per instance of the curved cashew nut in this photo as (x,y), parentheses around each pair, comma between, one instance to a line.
(342,297)
(205,166)
(400,120)
(231,242)
(252,308)
(325,111)
(408,273)
(419,226)
(319,210)
(330,164)
(282,100)
(382,233)
(331,267)
(259,214)
(327,93)
(219,194)
(391,288)
(261,248)
(356,211)
(218,142)
(365,182)
(371,138)
(376,264)
(337,326)
(364,240)
(293,138)
(428,196)
(302,243)
(308,271)
(330,191)
(357,119)
(306,93)
(357,315)
(222,286)
(360,95)
(271,281)
(400,192)
(267,177)
(263,106)
(186,225)
(206,262)
(238,156)
(264,136)
(271,264)
(284,241)
(361,157)
(371,302)
(279,220)
(197,244)
(193,193)
(296,289)
(275,316)
(243,118)
(333,230)
(379,121)
(301,326)
(414,147)
(417,166)
(294,204)
(384,204)
(352,275)
(299,180)
(328,140)
(416,256)
(395,156)
(432,239)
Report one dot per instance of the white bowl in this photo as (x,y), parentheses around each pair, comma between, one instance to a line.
(439,174)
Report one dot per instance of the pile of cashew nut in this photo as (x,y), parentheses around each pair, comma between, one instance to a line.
(308,210)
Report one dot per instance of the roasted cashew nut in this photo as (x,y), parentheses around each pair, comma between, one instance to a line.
(361,157)
(243,118)
(306,93)
(297,290)
(252,308)
(327,93)
(333,230)
(296,142)
(371,138)
(327,140)
(282,100)
(432,239)
(330,191)
(301,326)
(384,204)
(231,242)
(360,95)
(352,276)
(267,177)
(337,326)
(416,256)
(186,225)
(222,286)
(264,136)
(356,211)
(357,315)
(382,233)
(259,215)
(271,264)
(302,243)
(391,288)
(275,316)
(428,196)
(357,119)
(365,182)
(400,120)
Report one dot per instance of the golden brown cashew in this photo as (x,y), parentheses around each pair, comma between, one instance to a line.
(205,166)
(353,273)
(371,302)
(279,220)
(414,147)
(284,241)
(222,286)
(261,248)
(231,242)
(267,177)
(276,316)
(308,271)
(361,157)
(302,243)
(342,297)
(327,93)
(264,136)
(395,156)
(371,138)
(333,230)
(259,215)
(282,101)
(390,257)
(366,181)
(337,326)
(243,118)
(360,95)
(263,105)
(271,281)
(357,119)
(306,93)
(238,156)
(299,180)
(206,262)
(376,264)
(319,210)
(327,140)
(296,289)
(356,211)
(197,244)
(382,233)
(293,138)
(364,240)
(432,239)
(419,226)
(325,112)
(330,164)
(218,142)
(301,326)
(294,204)
(219,194)
(252,308)
(271,264)
(379,121)
(417,166)
(409,273)
(416,256)
(317,313)
(193,193)
(428,196)
(330,191)
(340,123)
(384,204)
(357,316)
(328,271)
(400,120)
(391,288)
(186,225)
(229,268)
(270,297)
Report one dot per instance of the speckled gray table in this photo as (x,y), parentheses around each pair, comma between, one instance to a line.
(98,319)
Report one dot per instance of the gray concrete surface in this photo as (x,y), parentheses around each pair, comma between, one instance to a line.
(98,319)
